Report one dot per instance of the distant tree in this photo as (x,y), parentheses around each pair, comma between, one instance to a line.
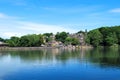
(87,39)
(75,41)
(24,41)
(68,41)
(13,41)
(111,39)
(81,32)
(111,35)
(95,37)
(31,40)
(61,36)
(118,37)
(72,41)
(104,31)
(47,36)
(104,36)
(116,29)
(2,40)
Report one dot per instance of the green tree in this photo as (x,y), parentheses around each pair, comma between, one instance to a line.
(87,39)
(31,40)
(95,37)
(61,36)
(2,40)
(111,39)
(13,41)
(68,41)
(75,41)
(47,36)
(105,31)
(118,37)
(24,41)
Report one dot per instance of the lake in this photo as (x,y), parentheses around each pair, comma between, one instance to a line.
(60,64)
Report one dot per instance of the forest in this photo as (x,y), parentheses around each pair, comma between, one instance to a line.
(104,36)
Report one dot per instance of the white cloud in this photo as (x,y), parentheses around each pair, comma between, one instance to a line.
(16,27)
(3,15)
(116,10)
(9,34)
(43,28)
(72,10)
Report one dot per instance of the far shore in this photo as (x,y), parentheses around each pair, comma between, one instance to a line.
(40,48)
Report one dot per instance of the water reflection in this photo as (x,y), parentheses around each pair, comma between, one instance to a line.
(106,57)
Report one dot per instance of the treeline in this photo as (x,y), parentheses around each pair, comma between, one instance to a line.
(25,41)
(104,36)
(34,40)
(66,39)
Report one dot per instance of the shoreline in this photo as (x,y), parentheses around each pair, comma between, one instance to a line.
(41,48)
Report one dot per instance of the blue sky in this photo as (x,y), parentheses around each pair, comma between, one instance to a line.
(20,17)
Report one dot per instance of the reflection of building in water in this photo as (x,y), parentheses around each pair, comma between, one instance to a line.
(52,51)
(82,52)
(55,51)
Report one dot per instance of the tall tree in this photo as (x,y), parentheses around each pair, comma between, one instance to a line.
(68,41)
(61,36)
(13,41)
(47,36)
(75,41)
(2,40)
(95,37)
(111,39)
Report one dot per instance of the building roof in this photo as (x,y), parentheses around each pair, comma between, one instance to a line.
(3,44)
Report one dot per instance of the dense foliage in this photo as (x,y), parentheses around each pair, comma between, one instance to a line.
(104,36)
(61,36)
(71,41)
(2,40)
(47,36)
(26,41)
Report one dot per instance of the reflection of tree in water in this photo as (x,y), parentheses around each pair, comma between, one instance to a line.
(47,54)
(105,57)
(26,55)
(102,57)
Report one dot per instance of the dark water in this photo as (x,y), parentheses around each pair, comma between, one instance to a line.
(58,64)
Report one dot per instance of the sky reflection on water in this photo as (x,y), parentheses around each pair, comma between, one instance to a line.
(58,64)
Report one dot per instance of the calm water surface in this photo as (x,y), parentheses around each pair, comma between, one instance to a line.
(59,64)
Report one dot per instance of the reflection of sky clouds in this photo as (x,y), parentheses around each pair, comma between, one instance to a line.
(33,64)
(12,64)
(7,65)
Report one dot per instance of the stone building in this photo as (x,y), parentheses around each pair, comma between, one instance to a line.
(53,42)
(80,36)
(2,44)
